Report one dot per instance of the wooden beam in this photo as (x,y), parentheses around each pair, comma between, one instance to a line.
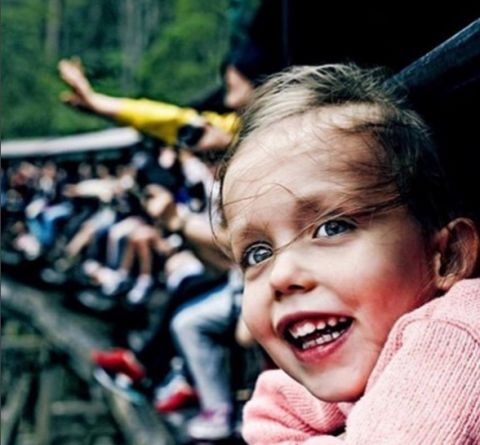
(77,408)
(23,343)
(49,376)
(15,407)
(75,335)
(139,424)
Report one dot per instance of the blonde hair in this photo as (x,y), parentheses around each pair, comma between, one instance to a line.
(405,159)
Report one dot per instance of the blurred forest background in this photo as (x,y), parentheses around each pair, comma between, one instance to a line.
(168,50)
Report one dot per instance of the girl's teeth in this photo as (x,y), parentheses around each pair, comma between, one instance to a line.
(310,327)
(307,328)
(319,341)
(322,339)
(309,344)
(332,321)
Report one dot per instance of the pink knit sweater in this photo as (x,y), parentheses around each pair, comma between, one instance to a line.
(424,389)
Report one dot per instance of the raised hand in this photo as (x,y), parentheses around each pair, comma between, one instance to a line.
(72,73)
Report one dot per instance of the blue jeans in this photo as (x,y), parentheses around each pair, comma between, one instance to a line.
(197,328)
(43,227)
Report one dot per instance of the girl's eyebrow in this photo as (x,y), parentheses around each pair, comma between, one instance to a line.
(307,206)
(331,203)
(248,231)
(316,206)
(240,238)
(306,209)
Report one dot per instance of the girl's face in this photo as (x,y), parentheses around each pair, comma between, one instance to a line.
(324,282)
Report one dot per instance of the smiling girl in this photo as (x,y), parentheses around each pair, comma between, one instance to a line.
(336,209)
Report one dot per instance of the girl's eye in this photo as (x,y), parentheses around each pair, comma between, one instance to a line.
(255,254)
(333,228)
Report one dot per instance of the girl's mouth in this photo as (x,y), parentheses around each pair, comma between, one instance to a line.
(310,333)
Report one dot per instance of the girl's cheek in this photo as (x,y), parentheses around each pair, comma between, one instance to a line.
(249,317)
(255,315)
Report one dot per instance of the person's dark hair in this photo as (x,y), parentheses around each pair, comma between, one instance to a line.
(252,61)
(406,167)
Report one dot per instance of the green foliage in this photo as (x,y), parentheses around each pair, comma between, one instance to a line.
(186,58)
(22,39)
(162,49)
(31,88)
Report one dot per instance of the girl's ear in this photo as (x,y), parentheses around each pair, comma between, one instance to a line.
(456,252)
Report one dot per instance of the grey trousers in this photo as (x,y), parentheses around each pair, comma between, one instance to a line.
(197,329)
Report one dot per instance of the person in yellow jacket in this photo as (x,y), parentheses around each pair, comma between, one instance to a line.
(164,120)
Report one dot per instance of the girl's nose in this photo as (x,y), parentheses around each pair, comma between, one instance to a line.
(290,275)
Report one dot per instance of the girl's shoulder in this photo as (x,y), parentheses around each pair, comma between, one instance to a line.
(458,308)
(442,326)
(461,302)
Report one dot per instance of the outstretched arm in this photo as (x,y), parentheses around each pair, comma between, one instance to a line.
(82,95)
(196,228)
(159,119)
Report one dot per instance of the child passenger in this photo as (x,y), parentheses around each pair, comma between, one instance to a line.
(360,274)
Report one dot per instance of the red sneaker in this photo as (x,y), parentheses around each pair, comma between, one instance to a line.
(119,360)
(176,395)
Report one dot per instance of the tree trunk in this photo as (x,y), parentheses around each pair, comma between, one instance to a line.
(52,35)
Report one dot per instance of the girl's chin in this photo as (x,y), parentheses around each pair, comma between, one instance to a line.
(335,395)
(335,387)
